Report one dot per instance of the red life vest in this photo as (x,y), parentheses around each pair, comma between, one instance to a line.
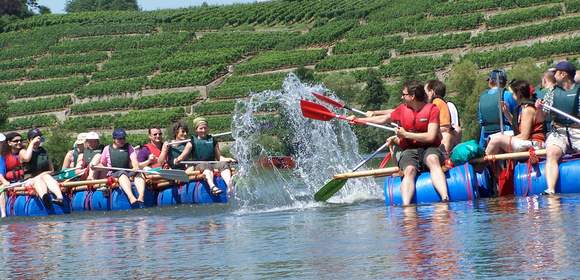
(14,170)
(155,151)
(417,122)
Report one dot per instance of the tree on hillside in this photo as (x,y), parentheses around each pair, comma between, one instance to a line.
(305,75)
(465,81)
(75,6)
(343,84)
(527,70)
(11,10)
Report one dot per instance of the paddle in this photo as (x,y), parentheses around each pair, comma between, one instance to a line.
(564,114)
(208,161)
(315,111)
(336,103)
(222,134)
(169,174)
(336,184)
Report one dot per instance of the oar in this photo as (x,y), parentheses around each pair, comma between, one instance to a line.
(222,134)
(336,103)
(336,184)
(170,174)
(201,161)
(315,111)
(564,114)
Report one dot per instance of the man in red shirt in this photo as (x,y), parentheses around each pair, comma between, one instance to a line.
(418,138)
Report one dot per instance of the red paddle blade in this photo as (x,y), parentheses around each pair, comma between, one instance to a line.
(315,111)
(328,100)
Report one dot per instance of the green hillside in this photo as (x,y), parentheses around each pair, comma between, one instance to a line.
(102,70)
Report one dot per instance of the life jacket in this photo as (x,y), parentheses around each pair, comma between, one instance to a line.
(120,157)
(75,156)
(489,110)
(14,169)
(39,162)
(567,101)
(540,94)
(415,121)
(203,149)
(88,154)
(174,152)
(155,151)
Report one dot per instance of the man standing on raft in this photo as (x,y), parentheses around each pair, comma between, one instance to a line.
(418,138)
(565,134)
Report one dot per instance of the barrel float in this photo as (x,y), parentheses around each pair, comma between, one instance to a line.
(100,200)
(120,201)
(484,184)
(461,185)
(25,205)
(169,196)
(81,201)
(202,193)
(531,179)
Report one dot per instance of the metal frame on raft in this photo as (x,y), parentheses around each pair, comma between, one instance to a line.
(106,195)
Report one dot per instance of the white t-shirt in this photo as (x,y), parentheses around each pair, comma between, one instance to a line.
(453,113)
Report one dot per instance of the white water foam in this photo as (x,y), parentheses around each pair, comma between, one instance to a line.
(320,150)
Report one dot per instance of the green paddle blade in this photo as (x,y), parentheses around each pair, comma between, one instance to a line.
(329,189)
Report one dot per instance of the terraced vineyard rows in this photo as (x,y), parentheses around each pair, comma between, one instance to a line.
(135,69)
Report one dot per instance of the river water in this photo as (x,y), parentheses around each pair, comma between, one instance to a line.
(507,237)
(272,228)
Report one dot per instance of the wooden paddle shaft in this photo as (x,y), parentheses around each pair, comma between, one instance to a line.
(518,155)
(375,172)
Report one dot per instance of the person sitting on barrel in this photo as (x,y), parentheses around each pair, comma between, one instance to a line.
(203,147)
(530,124)
(565,133)
(418,138)
(121,154)
(153,154)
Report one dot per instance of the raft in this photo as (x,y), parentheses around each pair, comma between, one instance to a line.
(104,198)
(462,184)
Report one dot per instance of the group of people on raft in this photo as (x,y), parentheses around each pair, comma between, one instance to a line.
(512,116)
(29,165)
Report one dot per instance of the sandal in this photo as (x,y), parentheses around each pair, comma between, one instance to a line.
(215,190)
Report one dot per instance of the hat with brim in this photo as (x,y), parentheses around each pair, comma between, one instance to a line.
(199,121)
(2,137)
(81,138)
(565,66)
(91,135)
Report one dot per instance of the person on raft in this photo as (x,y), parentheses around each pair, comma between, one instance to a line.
(565,134)
(489,107)
(32,163)
(435,90)
(154,153)
(203,147)
(91,155)
(3,182)
(121,154)
(175,153)
(71,158)
(418,138)
(530,124)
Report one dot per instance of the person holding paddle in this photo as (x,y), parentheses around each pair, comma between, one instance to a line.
(418,138)
(121,154)
(154,153)
(90,156)
(565,134)
(71,158)
(175,153)
(204,147)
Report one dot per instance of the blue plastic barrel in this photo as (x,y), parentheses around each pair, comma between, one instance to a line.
(534,181)
(169,196)
(484,184)
(120,201)
(202,193)
(99,200)
(461,186)
(187,191)
(81,201)
(24,205)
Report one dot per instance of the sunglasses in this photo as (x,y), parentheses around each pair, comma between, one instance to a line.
(16,141)
(157,134)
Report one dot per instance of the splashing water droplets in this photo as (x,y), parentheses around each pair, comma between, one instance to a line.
(320,150)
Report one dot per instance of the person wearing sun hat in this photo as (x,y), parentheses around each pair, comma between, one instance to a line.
(203,147)
(564,137)
(71,157)
(91,154)
(121,154)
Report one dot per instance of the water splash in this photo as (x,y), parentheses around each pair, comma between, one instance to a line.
(320,150)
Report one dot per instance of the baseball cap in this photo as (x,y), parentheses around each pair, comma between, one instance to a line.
(119,133)
(34,133)
(91,135)
(81,138)
(2,137)
(566,67)
(497,75)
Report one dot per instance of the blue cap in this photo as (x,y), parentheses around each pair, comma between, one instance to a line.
(497,75)
(567,67)
(119,133)
(35,132)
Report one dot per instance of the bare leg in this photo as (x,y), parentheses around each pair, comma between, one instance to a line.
(209,177)
(498,143)
(408,184)
(227,176)
(95,161)
(3,204)
(40,187)
(125,184)
(437,176)
(52,185)
(553,154)
(140,185)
